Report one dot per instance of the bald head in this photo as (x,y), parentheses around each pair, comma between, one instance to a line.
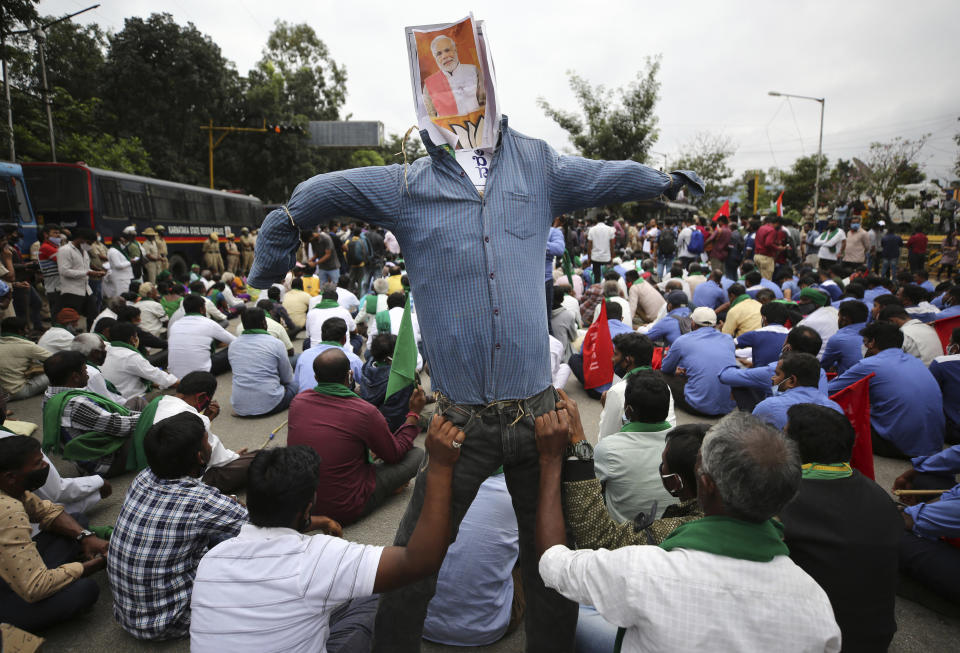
(331,366)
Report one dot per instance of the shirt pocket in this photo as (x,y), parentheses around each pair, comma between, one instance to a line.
(518,217)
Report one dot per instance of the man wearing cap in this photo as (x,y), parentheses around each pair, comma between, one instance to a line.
(164,263)
(233,253)
(672,325)
(133,251)
(693,363)
(246,250)
(824,319)
(151,255)
(211,254)
(73,264)
(153,316)
(60,335)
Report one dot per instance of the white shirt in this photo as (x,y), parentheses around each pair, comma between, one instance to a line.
(363,317)
(823,321)
(625,316)
(396,316)
(463,85)
(97,384)
(317,316)
(611,415)
(571,304)
(921,340)
(830,246)
(629,464)
(652,236)
(128,370)
(683,242)
(104,313)
(212,312)
(232,301)
(601,235)
(391,243)
(559,371)
(56,339)
(273,589)
(170,406)
(120,273)
(152,316)
(685,600)
(348,300)
(73,264)
(188,346)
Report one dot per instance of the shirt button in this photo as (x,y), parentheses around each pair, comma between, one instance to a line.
(486,239)
(496,311)
(491,275)
(462,174)
(497,346)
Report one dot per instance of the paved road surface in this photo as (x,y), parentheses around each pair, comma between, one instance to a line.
(920,629)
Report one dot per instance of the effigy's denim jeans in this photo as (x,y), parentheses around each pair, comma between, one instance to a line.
(501,433)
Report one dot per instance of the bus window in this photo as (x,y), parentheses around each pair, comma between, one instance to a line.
(136,203)
(112,201)
(57,189)
(220,212)
(168,204)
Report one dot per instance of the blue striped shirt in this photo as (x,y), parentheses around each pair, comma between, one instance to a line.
(474,263)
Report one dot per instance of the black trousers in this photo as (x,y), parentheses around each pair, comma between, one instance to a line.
(82,304)
(932,563)
(72,600)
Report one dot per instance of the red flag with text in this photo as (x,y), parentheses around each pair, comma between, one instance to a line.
(598,352)
(723,210)
(780,204)
(855,401)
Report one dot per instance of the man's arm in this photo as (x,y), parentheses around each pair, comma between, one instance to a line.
(851,376)
(221,334)
(555,244)
(550,427)
(670,362)
(428,544)
(936,520)
(755,377)
(391,447)
(145,370)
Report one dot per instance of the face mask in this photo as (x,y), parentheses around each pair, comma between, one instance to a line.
(777,390)
(55,240)
(36,479)
(855,227)
(99,239)
(85,247)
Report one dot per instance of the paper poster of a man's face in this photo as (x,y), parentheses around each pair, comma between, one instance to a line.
(450,86)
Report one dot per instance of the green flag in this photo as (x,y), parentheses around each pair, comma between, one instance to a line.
(567,266)
(403,370)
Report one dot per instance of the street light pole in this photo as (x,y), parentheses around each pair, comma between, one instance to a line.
(40,35)
(816,183)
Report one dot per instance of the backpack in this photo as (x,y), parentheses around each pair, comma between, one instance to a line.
(667,246)
(686,324)
(696,242)
(357,251)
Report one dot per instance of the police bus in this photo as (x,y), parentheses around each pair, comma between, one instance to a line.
(15,205)
(71,194)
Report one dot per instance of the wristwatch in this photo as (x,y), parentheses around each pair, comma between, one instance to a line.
(582,450)
(84,533)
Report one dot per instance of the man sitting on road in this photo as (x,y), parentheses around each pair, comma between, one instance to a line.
(322,308)
(344,429)
(263,382)
(42,581)
(743,312)
(169,519)
(127,369)
(19,360)
(60,335)
(297,303)
(332,605)
(842,525)
(334,334)
(672,325)
(748,594)
(191,339)
(843,349)
(375,378)
(631,352)
(796,380)
(200,290)
(919,339)
(691,366)
(227,469)
(765,343)
(95,350)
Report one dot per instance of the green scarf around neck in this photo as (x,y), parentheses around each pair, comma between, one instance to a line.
(733,538)
(94,445)
(14,335)
(645,427)
(250,332)
(826,471)
(634,371)
(335,390)
(327,303)
(739,299)
(332,343)
(125,345)
(370,304)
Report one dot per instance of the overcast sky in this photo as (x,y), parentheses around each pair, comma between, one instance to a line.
(886,68)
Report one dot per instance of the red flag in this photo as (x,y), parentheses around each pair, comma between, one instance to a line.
(659,353)
(855,401)
(598,352)
(780,204)
(723,210)
(945,329)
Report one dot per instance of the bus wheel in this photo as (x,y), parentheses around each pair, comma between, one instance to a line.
(178,267)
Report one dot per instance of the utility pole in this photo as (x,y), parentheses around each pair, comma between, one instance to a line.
(210,128)
(39,33)
(756,191)
(6,91)
(816,183)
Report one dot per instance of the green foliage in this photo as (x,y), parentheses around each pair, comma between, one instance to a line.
(615,125)
(363,158)
(800,180)
(765,198)
(709,155)
(889,167)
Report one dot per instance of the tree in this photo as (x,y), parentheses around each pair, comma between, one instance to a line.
(889,167)
(709,156)
(164,82)
(765,198)
(799,182)
(613,125)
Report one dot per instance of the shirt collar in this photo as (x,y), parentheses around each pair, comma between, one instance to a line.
(251,532)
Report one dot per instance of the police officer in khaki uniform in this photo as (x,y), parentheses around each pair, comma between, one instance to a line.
(151,255)
(233,253)
(211,254)
(247,243)
(162,248)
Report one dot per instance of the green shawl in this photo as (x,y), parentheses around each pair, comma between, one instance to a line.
(94,445)
(826,471)
(739,299)
(733,538)
(327,303)
(335,390)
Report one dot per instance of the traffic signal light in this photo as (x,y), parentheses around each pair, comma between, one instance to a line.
(284,128)
(751,184)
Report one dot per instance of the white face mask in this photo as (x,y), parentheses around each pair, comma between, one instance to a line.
(55,240)
(85,247)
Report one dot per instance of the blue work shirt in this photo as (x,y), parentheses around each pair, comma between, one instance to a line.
(474,262)
(844,348)
(555,247)
(793,286)
(616,327)
(766,342)
(710,294)
(831,288)
(703,353)
(261,373)
(938,519)
(759,377)
(773,410)
(667,328)
(872,293)
(946,370)
(890,246)
(949,311)
(304,375)
(906,406)
(928,286)
(765,283)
